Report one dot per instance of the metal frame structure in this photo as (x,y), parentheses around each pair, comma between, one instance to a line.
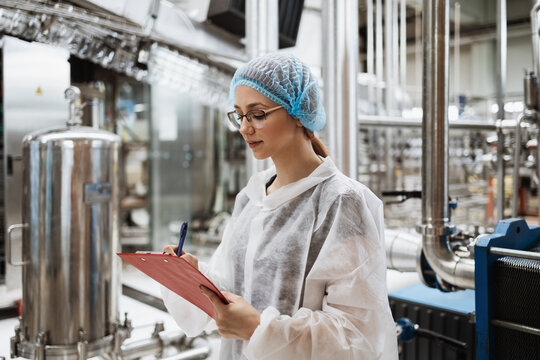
(510,238)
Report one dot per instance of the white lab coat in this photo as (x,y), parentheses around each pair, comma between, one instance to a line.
(327,226)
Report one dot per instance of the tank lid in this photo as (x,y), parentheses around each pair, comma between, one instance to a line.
(71,133)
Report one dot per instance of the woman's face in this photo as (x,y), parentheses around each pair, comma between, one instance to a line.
(280,130)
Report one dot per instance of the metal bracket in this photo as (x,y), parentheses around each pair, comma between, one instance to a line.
(8,244)
(82,345)
(428,229)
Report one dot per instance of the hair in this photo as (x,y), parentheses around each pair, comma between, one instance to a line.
(317,144)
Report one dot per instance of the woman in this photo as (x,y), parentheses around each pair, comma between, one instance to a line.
(302,259)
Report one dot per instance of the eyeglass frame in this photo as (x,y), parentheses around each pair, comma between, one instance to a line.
(234,117)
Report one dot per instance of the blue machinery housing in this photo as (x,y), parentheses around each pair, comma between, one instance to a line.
(500,319)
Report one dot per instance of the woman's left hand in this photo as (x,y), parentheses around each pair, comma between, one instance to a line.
(236,320)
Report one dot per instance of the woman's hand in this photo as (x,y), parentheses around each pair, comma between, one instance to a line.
(171,250)
(236,320)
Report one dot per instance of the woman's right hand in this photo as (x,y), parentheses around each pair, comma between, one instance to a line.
(171,250)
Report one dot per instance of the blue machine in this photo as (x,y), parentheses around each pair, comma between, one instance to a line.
(500,319)
(507,285)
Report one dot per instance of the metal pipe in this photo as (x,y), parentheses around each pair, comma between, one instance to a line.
(388,57)
(262,34)
(261,27)
(379,54)
(403,250)
(535,38)
(517,155)
(501,85)
(156,344)
(457,40)
(369,50)
(329,66)
(435,227)
(200,350)
(395,55)
(367,121)
(340,69)
(515,253)
(68,12)
(418,45)
(518,327)
(403,47)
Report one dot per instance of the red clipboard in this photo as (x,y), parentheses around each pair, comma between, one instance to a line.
(177,275)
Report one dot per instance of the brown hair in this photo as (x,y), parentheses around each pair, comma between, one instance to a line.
(317,144)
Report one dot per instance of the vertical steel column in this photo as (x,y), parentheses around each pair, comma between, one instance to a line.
(388,56)
(390,47)
(369,50)
(379,53)
(340,72)
(435,117)
(418,45)
(535,38)
(435,222)
(395,53)
(457,49)
(262,34)
(403,47)
(501,85)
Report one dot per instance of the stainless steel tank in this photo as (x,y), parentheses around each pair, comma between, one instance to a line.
(70,238)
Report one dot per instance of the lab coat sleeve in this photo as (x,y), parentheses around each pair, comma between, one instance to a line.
(352,319)
(190,318)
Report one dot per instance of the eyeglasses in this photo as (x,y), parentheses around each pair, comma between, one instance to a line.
(257,118)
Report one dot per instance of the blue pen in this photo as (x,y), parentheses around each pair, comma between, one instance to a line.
(183,232)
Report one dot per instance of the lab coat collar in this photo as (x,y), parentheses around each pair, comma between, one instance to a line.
(256,187)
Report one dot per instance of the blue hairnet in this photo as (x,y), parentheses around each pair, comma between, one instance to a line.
(287,81)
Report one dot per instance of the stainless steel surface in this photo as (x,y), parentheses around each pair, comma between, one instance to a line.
(402,250)
(34,79)
(40,350)
(515,253)
(379,53)
(403,48)
(329,58)
(501,89)
(418,44)
(517,165)
(514,326)
(73,95)
(9,255)
(535,11)
(262,36)
(395,59)
(530,91)
(340,71)
(435,220)
(388,56)
(197,348)
(394,121)
(70,203)
(153,345)
(262,29)
(200,350)
(457,48)
(213,47)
